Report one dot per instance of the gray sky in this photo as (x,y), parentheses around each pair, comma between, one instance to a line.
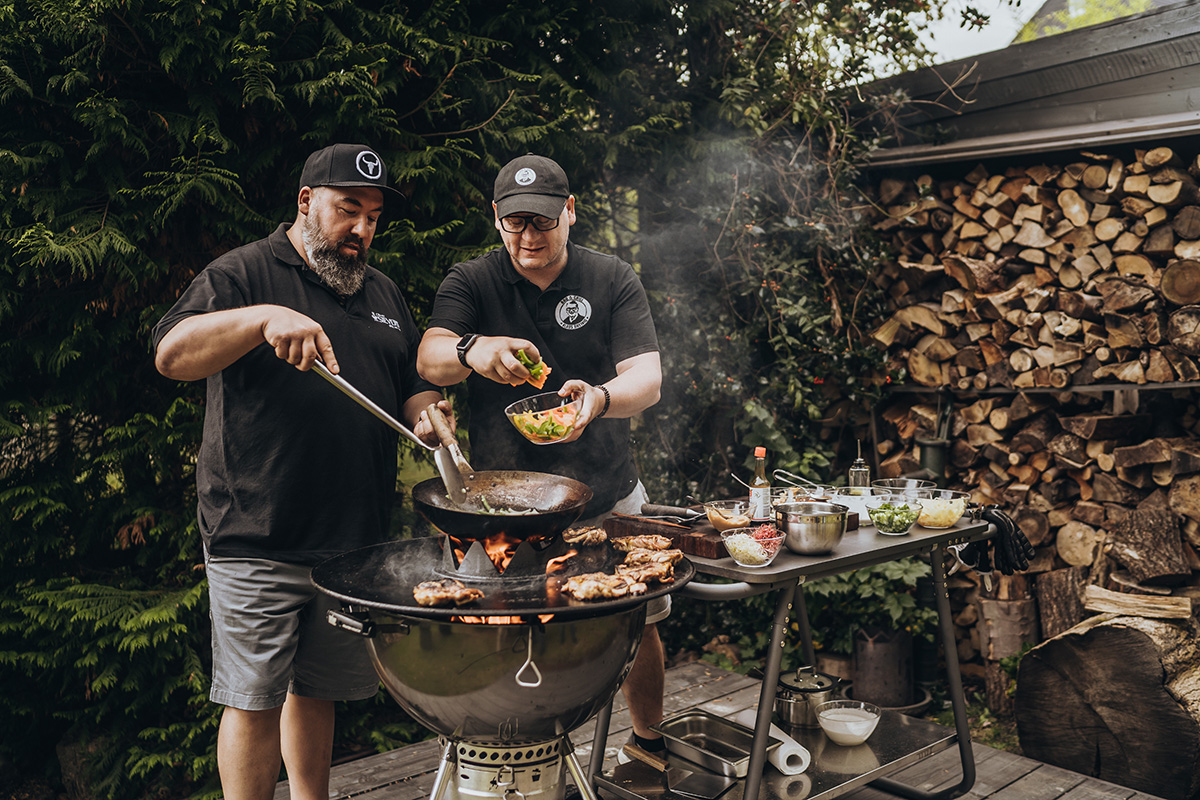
(952,42)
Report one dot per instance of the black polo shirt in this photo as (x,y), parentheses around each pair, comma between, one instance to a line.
(592,317)
(291,469)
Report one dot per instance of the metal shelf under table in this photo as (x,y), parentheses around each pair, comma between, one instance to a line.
(902,741)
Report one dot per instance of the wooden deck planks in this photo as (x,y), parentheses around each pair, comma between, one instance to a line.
(408,773)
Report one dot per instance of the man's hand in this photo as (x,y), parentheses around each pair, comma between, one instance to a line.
(421,425)
(297,339)
(495,358)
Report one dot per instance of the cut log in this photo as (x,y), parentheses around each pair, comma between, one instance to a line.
(1116,698)
(1108,488)
(1180,282)
(1147,542)
(1060,599)
(1036,435)
(1005,626)
(1183,329)
(1136,605)
(1187,222)
(1077,542)
(1034,524)
(1101,426)
(1184,497)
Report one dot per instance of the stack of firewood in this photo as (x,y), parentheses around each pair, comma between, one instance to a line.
(1016,295)
(1046,276)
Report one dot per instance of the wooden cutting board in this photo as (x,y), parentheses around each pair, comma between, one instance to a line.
(699,539)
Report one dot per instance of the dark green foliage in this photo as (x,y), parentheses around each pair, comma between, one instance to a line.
(712,143)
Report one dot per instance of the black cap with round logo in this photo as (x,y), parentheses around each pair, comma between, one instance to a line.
(531,185)
(346,165)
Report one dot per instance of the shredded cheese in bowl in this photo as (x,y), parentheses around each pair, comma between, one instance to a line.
(942,510)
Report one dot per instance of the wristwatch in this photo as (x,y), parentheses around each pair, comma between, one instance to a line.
(464,344)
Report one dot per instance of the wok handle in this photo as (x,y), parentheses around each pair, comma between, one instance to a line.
(441,426)
(354,394)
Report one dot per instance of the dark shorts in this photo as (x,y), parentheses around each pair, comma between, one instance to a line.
(270,638)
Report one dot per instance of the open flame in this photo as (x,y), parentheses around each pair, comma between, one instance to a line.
(500,548)
(500,620)
(559,563)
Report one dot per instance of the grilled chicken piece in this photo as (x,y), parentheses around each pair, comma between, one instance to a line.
(648,541)
(642,556)
(585,536)
(601,586)
(656,572)
(445,592)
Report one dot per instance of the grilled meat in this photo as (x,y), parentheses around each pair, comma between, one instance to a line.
(649,541)
(585,536)
(601,586)
(656,572)
(445,592)
(643,556)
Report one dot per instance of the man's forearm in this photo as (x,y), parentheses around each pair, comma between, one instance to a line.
(437,359)
(205,344)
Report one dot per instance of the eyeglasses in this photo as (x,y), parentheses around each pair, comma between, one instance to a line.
(517,224)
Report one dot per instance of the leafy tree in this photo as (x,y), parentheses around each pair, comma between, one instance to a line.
(714,144)
(1079,14)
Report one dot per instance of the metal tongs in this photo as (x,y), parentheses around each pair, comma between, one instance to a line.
(783,476)
(448,457)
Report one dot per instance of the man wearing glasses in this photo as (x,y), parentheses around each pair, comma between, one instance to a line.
(584,314)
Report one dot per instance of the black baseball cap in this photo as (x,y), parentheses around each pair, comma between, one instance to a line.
(346,165)
(531,184)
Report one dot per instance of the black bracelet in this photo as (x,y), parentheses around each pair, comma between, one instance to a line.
(607,400)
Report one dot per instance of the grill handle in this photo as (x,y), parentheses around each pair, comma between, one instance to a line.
(354,620)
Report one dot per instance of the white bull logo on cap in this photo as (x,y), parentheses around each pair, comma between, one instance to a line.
(369,165)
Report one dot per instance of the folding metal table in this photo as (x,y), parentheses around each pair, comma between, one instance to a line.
(898,742)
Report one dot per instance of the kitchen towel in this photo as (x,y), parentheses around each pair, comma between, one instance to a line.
(791,757)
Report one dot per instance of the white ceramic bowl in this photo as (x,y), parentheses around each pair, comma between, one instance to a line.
(848,722)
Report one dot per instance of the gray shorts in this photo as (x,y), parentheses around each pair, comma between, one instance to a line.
(270,638)
(658,608)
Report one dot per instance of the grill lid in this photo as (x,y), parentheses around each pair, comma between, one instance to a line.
(383,576)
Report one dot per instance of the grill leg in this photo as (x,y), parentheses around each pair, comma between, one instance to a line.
(445,769)
(583,781)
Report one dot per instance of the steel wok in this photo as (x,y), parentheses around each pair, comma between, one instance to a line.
(556,502)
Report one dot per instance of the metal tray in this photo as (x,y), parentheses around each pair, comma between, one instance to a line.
(712,742)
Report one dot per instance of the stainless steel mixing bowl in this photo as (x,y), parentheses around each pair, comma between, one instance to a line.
(811,529)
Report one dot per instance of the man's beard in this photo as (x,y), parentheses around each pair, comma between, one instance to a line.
(344,274)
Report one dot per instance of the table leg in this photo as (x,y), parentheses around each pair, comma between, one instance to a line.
(766,697)
(957,700)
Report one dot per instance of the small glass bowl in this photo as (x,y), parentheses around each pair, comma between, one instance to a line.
(895,514)
(848,722)
(902,483)
(942,508)
(728,514)
(544,418)
(749,547)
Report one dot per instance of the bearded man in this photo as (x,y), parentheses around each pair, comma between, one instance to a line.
(290,472)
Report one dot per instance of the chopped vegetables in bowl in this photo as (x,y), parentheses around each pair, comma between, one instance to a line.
(755,546)
(894,515)
(544,418)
